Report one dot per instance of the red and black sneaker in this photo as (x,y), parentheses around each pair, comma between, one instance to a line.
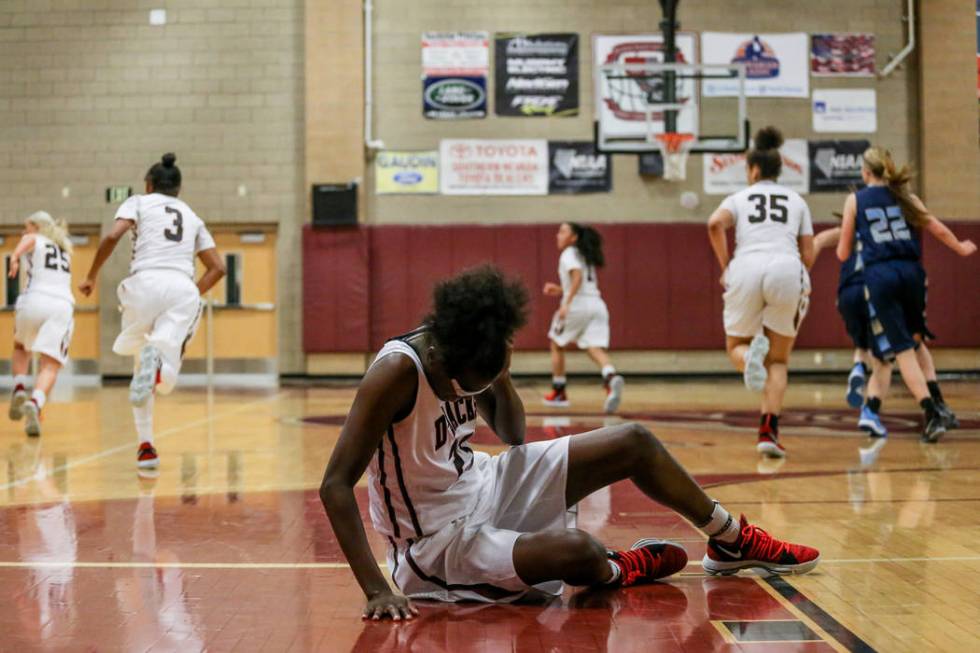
(147,456)
(757,548)
(768,443)
(556,398)
(648,560)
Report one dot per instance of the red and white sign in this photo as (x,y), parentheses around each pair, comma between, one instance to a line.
(493,167)
(456,54)
(725,173)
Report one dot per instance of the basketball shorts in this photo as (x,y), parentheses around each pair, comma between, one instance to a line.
(765,290)
(895,292)
(853,309)
(44,324)
(472,558)
(587,325)
(161,308)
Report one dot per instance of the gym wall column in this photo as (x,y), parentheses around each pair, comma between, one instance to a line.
(950,156)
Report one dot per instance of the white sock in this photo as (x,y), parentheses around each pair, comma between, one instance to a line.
(607,371)
(143,417)
(39,398)
(559,380)
(722,525)
(616,573)
(21,380)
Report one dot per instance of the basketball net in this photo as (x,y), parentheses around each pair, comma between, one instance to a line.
(674,148)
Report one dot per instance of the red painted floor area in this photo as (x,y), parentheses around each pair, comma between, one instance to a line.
(121,576)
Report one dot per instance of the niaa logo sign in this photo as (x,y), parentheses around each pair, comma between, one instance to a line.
(454,94)
(759,58)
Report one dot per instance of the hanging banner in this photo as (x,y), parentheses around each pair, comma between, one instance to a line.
(842,55)
(845,110)
(575,167)
(835,166)
(776,64)
(536,74)
(403,172)
(622,101)
(493,167)
(726,173)
(454,74)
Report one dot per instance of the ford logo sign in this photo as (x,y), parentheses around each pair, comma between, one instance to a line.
(408,178)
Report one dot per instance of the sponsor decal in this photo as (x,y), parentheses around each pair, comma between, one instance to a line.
(835,166)
(575,167)
(536,74)
(726,173)
(406,172)
(845,110)
(759,58)
(493,167)
(776,65)
(454,75)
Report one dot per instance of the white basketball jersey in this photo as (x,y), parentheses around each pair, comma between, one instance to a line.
(424,474)
(768,218)
(48,270)
(572,259)
(167,234)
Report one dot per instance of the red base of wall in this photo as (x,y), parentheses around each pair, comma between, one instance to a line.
(362,285)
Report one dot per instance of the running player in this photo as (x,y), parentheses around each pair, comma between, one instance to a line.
(160,302)
(881,217)
(767,287)
(582,317)
(462,525)
(44,318)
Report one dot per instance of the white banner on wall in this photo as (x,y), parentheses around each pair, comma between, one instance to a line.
(725,173)
(845,110)
(777,65)
(493,167)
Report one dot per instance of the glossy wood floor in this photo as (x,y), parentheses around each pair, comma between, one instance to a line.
(229,548)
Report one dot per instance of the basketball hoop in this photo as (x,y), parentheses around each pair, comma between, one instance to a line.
(674,147)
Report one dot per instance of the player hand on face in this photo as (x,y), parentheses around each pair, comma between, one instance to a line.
(391,605)
(86,287)
(552,289)
(967,247)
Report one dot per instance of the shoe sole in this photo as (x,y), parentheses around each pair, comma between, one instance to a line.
(32,423)
(17,406)
(755,374)
(718,568)
(556,404)
(933,438)
(616,385)
(855,391)
(142,384)
(148,464)
(770,449)
(872,429)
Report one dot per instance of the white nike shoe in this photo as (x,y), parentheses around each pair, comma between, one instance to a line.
(614,394)
(145,377)
(755,374)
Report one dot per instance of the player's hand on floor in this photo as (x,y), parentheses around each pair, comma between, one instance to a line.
(390,605)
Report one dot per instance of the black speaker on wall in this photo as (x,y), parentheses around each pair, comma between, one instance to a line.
(334,205)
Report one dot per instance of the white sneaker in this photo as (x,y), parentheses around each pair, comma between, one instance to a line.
(614,394)
(17,404)
(145,377)
(32,419)
(755,358)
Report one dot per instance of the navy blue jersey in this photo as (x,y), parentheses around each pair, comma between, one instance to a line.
(852,270)
(881,228)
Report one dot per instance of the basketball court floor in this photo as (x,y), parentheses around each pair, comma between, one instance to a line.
(229,549)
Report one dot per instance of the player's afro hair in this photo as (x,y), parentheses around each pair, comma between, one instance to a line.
(765,153)
(474,316)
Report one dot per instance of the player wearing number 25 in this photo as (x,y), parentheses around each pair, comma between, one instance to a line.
(161,305)
(767,287)
(883,221)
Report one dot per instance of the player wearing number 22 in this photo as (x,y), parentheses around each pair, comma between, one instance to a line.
(767,286)
(883,220)
(161,305)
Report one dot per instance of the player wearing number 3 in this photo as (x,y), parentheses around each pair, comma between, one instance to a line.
(160,303)
(766,283)
(880,218)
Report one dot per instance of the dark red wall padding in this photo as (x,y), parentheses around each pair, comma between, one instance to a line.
(364,285)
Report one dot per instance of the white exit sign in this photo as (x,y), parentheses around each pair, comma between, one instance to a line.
(116,194)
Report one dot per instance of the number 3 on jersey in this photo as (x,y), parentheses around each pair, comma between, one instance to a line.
(777,209)
(177,234)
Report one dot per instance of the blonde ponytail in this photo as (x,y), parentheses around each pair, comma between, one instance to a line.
(54,230)
(879,163)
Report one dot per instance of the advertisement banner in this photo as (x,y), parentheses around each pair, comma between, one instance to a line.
(845,110)
(454,74)
(575,167)
(536,74)
(621,102)
(726,173)
(406,172)
(835,166)
(776,64)
(842,55)
(493,167)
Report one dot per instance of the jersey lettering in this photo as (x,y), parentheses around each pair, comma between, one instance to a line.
(888,224)
(56,258)
(177,234)
(778,210)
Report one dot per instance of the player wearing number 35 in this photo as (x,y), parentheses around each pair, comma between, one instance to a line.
(883,221)
(767,287)
(160,304)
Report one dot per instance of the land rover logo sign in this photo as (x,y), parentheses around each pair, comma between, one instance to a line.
(454,95)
